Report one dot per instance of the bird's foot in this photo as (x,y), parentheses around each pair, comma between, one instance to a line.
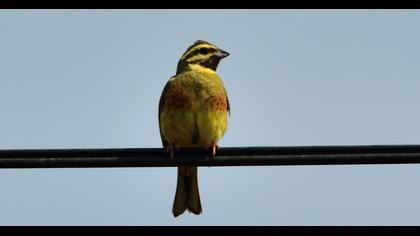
(170,149)
(214,148)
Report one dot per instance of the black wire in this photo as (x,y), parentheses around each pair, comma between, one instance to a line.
(228,156)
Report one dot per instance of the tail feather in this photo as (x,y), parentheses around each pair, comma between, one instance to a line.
(187,196)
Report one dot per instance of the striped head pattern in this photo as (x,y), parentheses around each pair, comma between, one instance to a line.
(202,54)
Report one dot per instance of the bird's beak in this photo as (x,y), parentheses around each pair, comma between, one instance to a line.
(222,53)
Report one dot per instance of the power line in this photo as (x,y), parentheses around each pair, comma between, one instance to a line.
(227,156)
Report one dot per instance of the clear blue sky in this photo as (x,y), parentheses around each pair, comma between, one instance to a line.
(93,78)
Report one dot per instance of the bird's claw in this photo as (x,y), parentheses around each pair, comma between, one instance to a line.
(170,149)
(214,148)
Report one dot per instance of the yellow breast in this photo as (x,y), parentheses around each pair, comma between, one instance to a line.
(195,110)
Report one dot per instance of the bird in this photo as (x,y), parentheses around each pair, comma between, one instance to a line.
(193,112)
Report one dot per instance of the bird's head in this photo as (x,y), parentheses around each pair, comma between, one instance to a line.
(201,54)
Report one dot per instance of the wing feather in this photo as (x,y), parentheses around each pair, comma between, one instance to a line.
(161,106)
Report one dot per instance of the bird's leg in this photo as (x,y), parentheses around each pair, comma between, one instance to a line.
(170,149)
(213,147)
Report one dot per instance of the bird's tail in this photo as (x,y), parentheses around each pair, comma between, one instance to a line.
(187,196)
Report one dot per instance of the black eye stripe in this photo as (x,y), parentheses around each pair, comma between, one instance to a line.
(202,51)
(205,51)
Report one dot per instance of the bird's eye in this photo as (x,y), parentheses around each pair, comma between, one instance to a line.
(204,51)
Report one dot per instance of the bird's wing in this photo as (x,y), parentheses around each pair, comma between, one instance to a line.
(227,100)
(161,104)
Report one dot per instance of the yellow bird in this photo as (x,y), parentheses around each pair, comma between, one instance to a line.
(193,112)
